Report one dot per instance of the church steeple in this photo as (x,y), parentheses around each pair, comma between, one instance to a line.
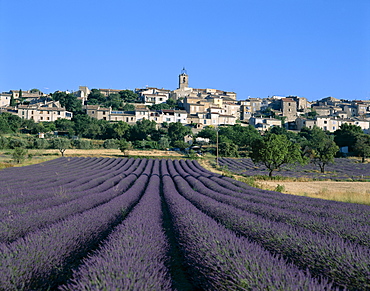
(183,79)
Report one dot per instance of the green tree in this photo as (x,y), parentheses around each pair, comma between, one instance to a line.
(273,151)
(129,96)
(4,126)
(62,144)
(19,154)
(208,132)
(164,143)
(128,107)
(142,129)
(40,143)
(172,103)
(227,149)
(120,129)
(12,100)
(4,142)
(362,146)
(124,146)
(180,144)
(111,143)
(346,135)
(65,125)
(95,97)
(177,131)
(12,123)
(20,93)
(160,106)
(69,101)
(319,147)
(114,101)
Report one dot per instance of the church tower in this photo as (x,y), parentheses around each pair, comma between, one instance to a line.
(183,79)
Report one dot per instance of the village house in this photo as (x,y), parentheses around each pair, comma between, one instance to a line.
(331,123)
(264,123)
(47,111)
(152,96)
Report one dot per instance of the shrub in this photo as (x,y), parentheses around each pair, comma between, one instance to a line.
(17,142)
(19,154)
(40,143)
(82,144)
(111,143)
(4,142)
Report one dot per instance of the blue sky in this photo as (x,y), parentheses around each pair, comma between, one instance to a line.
(256,48)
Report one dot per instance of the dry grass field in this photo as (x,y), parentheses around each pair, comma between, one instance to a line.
(354,192)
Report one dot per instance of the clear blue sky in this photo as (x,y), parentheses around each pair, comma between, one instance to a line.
(256,48)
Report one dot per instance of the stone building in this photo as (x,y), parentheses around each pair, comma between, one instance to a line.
(39,112)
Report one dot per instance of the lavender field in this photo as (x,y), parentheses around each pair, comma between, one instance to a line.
(145,224)
(341,169)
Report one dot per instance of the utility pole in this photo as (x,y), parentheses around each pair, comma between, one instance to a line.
(217,146)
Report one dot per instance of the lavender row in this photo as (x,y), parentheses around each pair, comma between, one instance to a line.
(42,259)
(52,178)
(355,213)
(66,166)
(134,256)
(64,174)
(73,183)
(341,169)
(346,229)
(343,262)
(234,262)
(15,226)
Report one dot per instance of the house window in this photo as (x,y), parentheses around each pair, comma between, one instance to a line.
(104,118)
(58,112)
(92,112)
(48,118)
(22,112)
(41,118)
(325,122)
(103,112)
(48,112)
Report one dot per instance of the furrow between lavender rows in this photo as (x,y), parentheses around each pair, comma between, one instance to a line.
(220,260)
(354,213)
(15,226)
(52,179)
(134,256)
(74,183)
(343,262)
(44,259)
(345,229)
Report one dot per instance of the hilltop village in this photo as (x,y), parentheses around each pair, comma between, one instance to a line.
(194,107)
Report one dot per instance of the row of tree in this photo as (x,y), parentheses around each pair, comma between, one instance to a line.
(280,146)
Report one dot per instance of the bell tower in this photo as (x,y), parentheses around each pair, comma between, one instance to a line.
(183,79)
